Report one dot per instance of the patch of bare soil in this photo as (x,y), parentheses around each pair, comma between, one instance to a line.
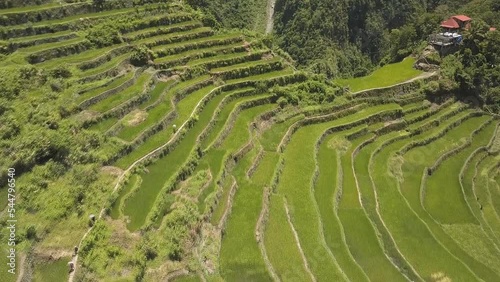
(270,15)
(163,77)
(52,254)
(267,56)
(387,123)
(166,272)
(440,277)
(121,236)
(136,117)
(264,125)
(86,115)
(434,107)
(21,267)
(246,45)
(208,248)
(112,170)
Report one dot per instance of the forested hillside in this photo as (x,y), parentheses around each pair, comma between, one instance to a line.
(377,31)
(351,37)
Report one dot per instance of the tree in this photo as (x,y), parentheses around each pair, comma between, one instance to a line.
(99,4)
(104,35)
(141,56)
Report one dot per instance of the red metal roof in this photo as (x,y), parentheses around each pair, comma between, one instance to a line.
(492,29)
(462,18)
(450,23)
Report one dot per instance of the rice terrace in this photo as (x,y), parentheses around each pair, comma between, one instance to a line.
(147,141)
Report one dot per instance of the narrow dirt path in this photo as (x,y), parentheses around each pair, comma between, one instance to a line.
(229,204)
(120,178)
(306,266)
(259,232)
(20,276)
(270,16)
(420,76)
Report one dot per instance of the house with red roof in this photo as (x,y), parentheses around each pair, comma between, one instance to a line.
(449,39)
(456,23)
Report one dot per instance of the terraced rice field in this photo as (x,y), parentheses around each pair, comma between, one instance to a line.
(332,192)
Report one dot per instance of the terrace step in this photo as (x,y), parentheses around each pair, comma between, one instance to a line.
(37,40)
(484,200)
(239,230)
(184,57)
(327,176)
(112,89)
(69,23)
(177,156)
(206,42)
(161,30)
(176,37)
(411,188)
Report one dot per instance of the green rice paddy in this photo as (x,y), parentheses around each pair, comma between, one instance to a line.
(338,198)
(385,76)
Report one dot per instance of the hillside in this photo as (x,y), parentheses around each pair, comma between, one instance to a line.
(145,142)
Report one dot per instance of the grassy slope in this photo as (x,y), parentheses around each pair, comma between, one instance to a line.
(240,256)
(325,193)
(162,170)
(361,237)
(450,195)
(423,251)
(295,185)
(385,76)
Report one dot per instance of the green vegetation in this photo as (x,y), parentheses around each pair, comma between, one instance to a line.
(240,256)
(385,76)
(166,146)
(285,257)
(52,271)
(327,206)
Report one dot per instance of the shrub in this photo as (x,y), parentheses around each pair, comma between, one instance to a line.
(282,102)
(210,20)
(56,86)
(28,72)
(194,72)
(9,127)
(431,88)
(4,47)
(104,35)
(60,72)
(98,4)
(141,56)
(31,232)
